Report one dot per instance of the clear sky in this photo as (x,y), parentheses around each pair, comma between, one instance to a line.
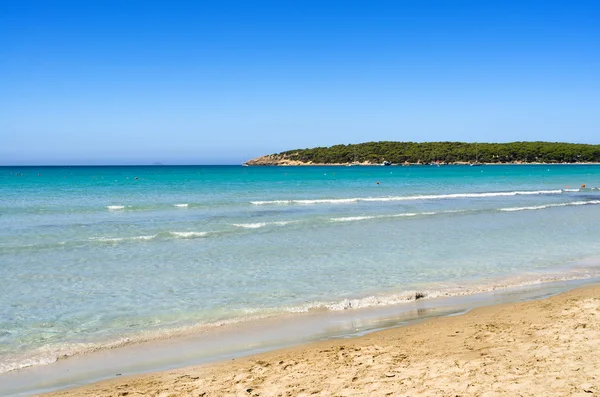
(213,82)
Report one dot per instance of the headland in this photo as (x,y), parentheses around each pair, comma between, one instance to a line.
(434,153)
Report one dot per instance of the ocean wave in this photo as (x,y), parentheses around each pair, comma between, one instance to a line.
(111,240)
(188,234)
(115,207)
(354,218)
(258,225)
(308,202)
(407,198)
(121,239)
(182,205)
(508,209)
(149,237)
(541,207)
(367,217)
(416,214)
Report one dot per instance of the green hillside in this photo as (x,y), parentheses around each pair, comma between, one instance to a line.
(446,152)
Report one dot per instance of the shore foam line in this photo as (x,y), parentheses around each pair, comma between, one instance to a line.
(407,198)
(51,354)
(413,295)
(541,207)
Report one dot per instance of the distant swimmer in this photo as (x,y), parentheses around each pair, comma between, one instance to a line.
(583,186)
(378,182)
(136,178)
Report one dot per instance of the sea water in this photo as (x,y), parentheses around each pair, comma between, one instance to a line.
(93,258)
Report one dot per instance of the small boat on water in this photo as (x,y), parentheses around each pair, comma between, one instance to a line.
(386,163)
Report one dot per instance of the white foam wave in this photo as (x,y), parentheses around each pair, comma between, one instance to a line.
(20,363)
(571,190)
(120,239)
(144,237)
(115,207)
(108,239)
(50,354)
(413,214)
(541,207)
(411,296)
(272,202)
(250,225)
(353,218)
(283,223)
(307,202)
(406,198)
(261,224)
(366,217)
(182,205)
(188,234)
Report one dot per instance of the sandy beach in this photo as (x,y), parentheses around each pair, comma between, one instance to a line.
(544,347)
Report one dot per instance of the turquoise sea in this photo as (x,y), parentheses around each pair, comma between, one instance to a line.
(98,257)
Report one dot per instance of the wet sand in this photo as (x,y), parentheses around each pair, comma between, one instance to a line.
(544,347)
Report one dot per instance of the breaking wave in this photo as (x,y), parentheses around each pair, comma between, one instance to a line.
(258,225)
(407,198)
(188,234)
(366,217)
(120,239)
(541,207)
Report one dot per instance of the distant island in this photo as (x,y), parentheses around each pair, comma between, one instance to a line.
(409,153)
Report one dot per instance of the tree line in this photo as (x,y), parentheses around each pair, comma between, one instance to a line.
(447,152)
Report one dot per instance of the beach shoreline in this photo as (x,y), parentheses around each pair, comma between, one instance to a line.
(540,346)
(124,279)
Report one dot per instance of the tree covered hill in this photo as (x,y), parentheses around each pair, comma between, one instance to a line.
(444,152)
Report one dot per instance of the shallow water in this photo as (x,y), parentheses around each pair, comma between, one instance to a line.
(91,257)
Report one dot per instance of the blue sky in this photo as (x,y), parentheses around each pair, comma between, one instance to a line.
(213,82)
